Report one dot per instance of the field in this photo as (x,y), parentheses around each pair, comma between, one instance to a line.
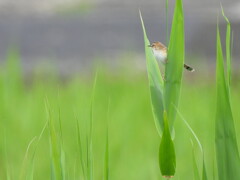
(120,122)
(133,139)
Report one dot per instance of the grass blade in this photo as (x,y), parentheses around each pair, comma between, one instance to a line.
(80,149)
(55,144)
(167,156)
(228,47)
(174,67)
(30,171)
(227,153)
(25,160)
(90,135)
(195,167)
(63,156)
(155,83)
(204,172)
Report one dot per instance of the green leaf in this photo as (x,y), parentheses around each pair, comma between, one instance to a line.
(227,153)
(167,157)
(155,83)
(174,66)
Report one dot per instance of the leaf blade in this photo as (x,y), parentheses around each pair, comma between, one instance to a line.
(167,156)
(227,153)
(174,66)
(155,83)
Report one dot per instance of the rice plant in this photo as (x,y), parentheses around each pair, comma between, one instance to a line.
(83,145)
(165,93)
(165,97)
(56,149)
(228,161)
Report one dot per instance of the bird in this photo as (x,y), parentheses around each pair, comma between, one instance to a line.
(160,53)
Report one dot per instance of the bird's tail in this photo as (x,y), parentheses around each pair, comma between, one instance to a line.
(189,68)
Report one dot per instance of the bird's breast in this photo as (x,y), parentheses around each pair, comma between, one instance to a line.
(160,56)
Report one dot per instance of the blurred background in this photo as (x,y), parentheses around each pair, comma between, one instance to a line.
(50,49)
(74,33)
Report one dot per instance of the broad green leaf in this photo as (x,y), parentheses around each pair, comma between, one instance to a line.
(167,157)
(227,153)
(155,83)
(174,66)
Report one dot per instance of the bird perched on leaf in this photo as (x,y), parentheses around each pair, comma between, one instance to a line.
(160,53)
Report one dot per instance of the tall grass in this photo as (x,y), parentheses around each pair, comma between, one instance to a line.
(195,166)
(87,159)
(165,94)
(90,137)
(85,153)
(228,161)
(80,150)
(56,148)
(27,169)
(168,92)
(134,141)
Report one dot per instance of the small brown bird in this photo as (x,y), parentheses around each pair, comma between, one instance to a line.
(160,52)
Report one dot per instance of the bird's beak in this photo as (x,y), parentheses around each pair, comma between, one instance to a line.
(149,45)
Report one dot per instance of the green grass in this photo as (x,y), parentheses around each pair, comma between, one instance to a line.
(134,140)
(165,100)
(54,129)
(227,153)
